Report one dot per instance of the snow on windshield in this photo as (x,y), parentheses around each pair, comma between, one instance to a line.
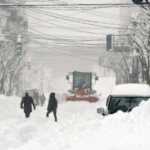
(79,127)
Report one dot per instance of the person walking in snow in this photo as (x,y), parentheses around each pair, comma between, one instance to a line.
(42,99)
(36,97)
(52,105)
(27,101)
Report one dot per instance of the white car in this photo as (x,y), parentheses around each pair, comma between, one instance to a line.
(125,97)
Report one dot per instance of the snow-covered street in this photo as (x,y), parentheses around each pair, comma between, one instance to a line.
(83,66)
(79,127)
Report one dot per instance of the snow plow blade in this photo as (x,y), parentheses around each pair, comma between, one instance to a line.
(88,99)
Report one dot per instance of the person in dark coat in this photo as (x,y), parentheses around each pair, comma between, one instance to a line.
(36,97)
(52,105)
(42,99)
(81,84)
(27,101)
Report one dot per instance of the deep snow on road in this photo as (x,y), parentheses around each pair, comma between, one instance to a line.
(79,127)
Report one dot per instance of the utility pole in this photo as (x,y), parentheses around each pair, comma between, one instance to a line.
(41,52)
(29,68)
(41,70)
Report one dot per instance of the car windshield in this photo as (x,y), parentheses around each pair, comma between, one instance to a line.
(124,103)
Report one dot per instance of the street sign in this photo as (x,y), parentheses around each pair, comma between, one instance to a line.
(118,43)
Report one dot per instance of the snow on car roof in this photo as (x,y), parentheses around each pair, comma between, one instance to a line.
(131,90)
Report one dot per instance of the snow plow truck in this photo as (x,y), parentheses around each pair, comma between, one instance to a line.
(81,89)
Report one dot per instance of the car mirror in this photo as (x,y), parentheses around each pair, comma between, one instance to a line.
(101,111)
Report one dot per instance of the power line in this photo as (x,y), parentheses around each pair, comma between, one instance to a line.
(58,38)
(96,12)
(48,22)
(63,52)
(58,5)
(71,19)
(76,20)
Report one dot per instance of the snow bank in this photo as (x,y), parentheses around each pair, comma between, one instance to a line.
(79,127)
(9,106)
(121,131)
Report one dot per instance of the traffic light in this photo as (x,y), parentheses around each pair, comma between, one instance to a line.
(19,48)
(108,42)
(137,1)
(29,65)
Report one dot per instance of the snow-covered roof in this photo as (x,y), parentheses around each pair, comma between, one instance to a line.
(131,90)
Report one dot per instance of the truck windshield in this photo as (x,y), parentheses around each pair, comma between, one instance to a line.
(82,80)
(124,104)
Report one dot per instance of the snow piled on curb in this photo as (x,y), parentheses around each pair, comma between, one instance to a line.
(79,127)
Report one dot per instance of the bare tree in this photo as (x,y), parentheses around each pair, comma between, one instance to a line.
(139,33)
(10,63)
(120,62)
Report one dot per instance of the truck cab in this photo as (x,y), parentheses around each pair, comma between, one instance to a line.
(82,89)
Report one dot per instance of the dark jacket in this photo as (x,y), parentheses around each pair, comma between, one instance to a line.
(27,101)
(81,84)
(52,105)
(36,98)
(42,99)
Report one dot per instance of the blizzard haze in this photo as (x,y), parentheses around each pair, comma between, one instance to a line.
(56,55)
(49,40)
